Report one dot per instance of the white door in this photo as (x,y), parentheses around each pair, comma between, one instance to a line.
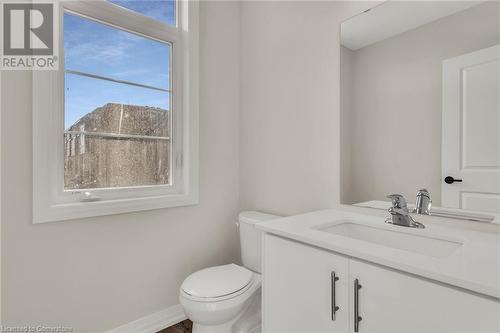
(390,301)
(297,289)
(471,131)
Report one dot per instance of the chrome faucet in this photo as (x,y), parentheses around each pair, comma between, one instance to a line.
(400,214)
(424,202)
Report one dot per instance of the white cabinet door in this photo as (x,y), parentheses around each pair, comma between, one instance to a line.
(471,136)
(391,301)
(297,288)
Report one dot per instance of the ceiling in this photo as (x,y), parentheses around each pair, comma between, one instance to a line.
(394,17)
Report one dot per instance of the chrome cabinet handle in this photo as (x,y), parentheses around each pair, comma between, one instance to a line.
(333,279)
(357,317)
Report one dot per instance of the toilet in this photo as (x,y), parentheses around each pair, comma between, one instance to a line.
(227,298)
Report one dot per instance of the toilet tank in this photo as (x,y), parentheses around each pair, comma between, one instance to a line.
(250,238)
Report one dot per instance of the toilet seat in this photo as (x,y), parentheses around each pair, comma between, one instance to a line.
(218,283)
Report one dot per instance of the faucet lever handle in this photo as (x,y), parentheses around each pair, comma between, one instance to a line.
(398,201)
(424,202)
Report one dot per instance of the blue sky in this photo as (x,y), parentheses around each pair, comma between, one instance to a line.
(101,50)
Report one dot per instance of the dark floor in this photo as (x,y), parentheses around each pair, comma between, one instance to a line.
(182,327)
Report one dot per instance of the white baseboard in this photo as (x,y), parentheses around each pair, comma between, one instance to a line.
(154,322)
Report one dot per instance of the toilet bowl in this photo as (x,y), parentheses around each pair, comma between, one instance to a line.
(218,309)
(227,298)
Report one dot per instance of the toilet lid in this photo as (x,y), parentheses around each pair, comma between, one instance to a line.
(217,281)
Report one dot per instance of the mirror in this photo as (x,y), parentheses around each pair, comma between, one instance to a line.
(420,106)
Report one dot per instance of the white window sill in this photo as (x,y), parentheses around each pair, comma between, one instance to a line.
(44,213)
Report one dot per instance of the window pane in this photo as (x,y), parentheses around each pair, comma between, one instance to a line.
(100,162)
(161,10)
(117,107)
(95,105)
(106,51)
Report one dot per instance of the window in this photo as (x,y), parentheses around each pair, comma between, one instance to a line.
(116,107)
(115,128)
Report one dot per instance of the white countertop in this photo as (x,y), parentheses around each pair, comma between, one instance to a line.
(475,266)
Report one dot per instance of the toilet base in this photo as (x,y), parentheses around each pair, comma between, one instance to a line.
(224,328)
(249,321)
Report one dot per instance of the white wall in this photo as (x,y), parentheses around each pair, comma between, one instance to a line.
(394,134)
(96,274)
(290,104)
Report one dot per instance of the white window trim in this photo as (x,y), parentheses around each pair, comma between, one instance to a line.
(50,202)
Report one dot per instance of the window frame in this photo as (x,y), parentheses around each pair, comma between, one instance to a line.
(50,201)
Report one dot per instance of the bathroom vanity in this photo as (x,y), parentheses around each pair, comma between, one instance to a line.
(418,114)
(335,271)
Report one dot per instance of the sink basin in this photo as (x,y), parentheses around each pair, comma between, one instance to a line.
(422,244)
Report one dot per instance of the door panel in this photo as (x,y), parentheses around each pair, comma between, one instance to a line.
(481,115)
(471,136)
(391,301)
(480,201)
(297,288)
